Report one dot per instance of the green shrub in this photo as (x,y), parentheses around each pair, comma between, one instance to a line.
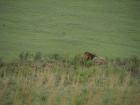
(37,56)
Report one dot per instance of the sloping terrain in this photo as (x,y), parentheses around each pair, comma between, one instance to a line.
(107,27)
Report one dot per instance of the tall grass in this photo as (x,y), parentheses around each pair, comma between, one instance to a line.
(56,80)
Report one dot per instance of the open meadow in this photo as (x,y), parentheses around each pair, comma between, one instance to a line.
(107,27)
(41,52)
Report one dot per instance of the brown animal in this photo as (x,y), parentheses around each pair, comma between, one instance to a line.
(100,61)
(89,56)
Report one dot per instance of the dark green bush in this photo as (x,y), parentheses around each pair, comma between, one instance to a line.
(38,56)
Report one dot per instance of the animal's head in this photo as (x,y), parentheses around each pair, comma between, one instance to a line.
(89,56)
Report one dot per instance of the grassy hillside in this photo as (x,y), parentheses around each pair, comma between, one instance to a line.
(63,81)
(107,27)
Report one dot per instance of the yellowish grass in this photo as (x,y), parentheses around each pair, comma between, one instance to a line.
(54,87)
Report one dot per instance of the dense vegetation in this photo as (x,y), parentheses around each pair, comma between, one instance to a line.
(34,79)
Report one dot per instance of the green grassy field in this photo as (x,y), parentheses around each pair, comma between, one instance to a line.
(61,30)
(107,27)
